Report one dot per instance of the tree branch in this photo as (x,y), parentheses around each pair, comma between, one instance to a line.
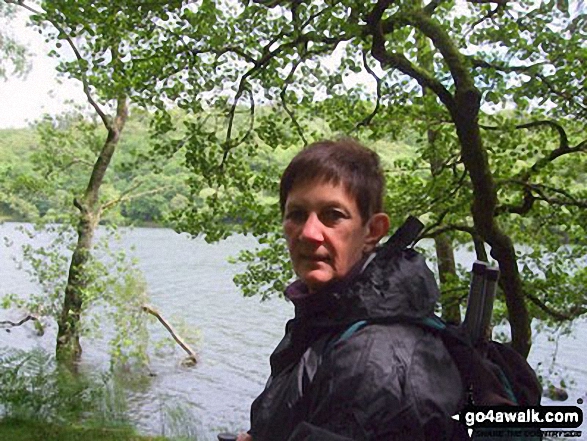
(521,209)
(530,70)
(481,2)
(367,120)
(482,64)
(258,65)
(124,197)
(561,316)
(534,192)
(500,6)
(436,224)
(570,202)
(282,96)
(191,353)
(450,227)
(562,149)
(376,29)
(11,324)
(442,41)
(77,204)
(430,8)
(445,196)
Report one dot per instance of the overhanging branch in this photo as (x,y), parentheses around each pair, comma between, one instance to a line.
(443,43)
(126,196)
(562,149)
(538,192)
(569,201)
(401,63)
(282,95)
(367,120)
(11,324)
(532,71)
(561,316)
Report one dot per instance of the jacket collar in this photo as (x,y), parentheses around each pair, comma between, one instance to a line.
(378,286)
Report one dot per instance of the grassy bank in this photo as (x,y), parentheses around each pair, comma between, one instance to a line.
(19,430)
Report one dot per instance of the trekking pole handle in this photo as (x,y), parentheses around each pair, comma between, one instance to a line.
(475,301)
(490,289)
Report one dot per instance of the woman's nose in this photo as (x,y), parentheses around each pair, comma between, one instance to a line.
(312,229)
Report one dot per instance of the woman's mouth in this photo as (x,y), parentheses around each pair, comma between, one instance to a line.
(316,258)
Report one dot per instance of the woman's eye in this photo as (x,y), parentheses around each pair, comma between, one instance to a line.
(332,216)
(295,216)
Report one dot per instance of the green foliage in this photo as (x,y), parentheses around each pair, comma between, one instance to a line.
(301,60)
(43,166)
(46,266)
(268,270)
(40,401)
(34,388)
(26,430)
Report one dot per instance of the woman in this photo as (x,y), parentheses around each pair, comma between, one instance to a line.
(378,382)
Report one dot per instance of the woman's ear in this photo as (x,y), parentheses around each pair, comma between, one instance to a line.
(378,226)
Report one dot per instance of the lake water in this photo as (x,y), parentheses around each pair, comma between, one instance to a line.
(191,281)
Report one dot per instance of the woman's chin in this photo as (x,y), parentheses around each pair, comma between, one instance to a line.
(316,279)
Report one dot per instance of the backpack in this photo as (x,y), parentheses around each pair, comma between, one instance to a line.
(492,373)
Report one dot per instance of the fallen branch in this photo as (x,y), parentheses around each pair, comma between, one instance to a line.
(8,323)
(191,353)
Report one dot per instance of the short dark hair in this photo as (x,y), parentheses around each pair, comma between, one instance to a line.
(343,161)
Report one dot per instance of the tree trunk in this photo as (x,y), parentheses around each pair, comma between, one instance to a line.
(68,348)
(464,108)
(474,156)
(451,312)
(68,344)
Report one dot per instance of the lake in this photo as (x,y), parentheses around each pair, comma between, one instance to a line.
(191,281)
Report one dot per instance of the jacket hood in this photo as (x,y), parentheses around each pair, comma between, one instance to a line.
(399,286)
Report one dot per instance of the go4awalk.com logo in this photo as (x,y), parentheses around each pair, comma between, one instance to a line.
(527,419)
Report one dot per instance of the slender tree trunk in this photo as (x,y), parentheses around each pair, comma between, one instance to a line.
(444,250)
(442,243)
(446,268)
(68,348)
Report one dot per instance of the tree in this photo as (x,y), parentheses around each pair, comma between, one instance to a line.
(98,37)
(480,58)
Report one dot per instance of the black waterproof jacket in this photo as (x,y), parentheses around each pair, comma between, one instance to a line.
(392,381)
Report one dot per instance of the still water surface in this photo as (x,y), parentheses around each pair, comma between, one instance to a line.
(191,281)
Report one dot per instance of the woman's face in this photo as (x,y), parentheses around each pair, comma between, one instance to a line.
(325,233)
